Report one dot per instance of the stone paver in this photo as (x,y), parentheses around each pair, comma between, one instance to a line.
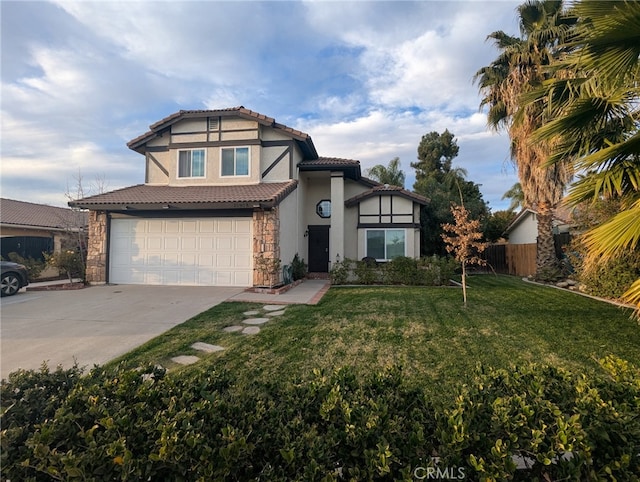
(206,347)
(251,330)
(233,328)
(255,321)
(251,313)
(185,359)
(272,307)
(276,313)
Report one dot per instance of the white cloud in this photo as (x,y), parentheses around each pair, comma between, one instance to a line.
(365,79)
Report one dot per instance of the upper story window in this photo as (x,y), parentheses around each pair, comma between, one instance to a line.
(235,161)
(191,163)
(323,208)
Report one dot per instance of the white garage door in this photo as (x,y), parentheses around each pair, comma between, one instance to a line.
(181,251)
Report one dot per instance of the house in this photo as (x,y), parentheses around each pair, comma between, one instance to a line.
(524,227)
(30,229)
(230,195)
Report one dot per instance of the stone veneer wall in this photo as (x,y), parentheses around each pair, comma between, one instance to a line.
(97,247)
(266,247)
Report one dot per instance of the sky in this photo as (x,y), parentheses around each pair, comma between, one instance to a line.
(366,80)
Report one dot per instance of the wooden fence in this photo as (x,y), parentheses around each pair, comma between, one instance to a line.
(514,259)
(520,259)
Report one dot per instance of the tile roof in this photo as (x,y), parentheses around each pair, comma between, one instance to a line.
(330,162)
(155,197)
(386,189)
(31,215)
(241,111)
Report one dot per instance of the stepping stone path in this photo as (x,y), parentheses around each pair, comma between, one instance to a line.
(185,359)
(276,313)
(233,328)
(255,321)
(252,329)
(206,347)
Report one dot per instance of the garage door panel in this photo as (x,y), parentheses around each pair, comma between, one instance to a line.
(241,261)
(188,243)
(171,243)
(188,251)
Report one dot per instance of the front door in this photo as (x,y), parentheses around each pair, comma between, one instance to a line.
(318,249)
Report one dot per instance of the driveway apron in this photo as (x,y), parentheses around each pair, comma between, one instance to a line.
(94,325)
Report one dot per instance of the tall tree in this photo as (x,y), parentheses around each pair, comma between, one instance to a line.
(516,195)
(596,114)
(435,155)
(442,184)
(391,174)
(518,69)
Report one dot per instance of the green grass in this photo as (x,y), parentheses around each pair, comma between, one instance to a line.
(426,330)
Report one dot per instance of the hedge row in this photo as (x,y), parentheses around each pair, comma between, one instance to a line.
(427,271)
(150,425)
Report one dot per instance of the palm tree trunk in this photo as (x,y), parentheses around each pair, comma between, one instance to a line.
(546,260)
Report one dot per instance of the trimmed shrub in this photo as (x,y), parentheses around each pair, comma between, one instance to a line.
(550,423)
(146,424)
(429,271)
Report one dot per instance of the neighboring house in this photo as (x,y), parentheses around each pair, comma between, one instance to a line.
(524,228)
(228,193)
(30,229)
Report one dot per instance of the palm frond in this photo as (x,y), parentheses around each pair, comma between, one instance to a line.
(620,233)
(632,296)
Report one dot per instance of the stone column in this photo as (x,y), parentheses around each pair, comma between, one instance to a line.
(96,271)
(266,248)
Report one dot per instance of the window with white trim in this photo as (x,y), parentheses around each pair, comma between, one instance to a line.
(234,161)
(191,163)
(385,244)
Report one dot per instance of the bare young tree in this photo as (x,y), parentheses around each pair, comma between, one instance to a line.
(463,240)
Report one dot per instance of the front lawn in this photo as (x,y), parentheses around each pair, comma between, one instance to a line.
(375,383)
(425,330)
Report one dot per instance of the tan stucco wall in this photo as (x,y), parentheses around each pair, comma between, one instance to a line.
(231,129)
(289,228)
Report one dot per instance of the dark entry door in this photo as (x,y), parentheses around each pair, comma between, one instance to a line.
(318,249)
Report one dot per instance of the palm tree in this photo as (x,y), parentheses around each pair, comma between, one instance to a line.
(391,174)
(596,113)
(516,195)
(518,69)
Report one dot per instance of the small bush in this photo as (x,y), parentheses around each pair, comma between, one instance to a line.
(340,272)
(69,262)
(610,279)
(34,267)
(298,268)
(367,273)
(402,271)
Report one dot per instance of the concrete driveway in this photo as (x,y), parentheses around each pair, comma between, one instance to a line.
(95,324)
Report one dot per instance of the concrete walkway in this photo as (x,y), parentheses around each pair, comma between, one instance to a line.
(310,292)
(96,324)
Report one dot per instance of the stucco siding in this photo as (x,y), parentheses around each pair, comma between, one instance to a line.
(526,232)
(289,229)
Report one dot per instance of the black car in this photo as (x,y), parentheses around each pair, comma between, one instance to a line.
(14,276)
